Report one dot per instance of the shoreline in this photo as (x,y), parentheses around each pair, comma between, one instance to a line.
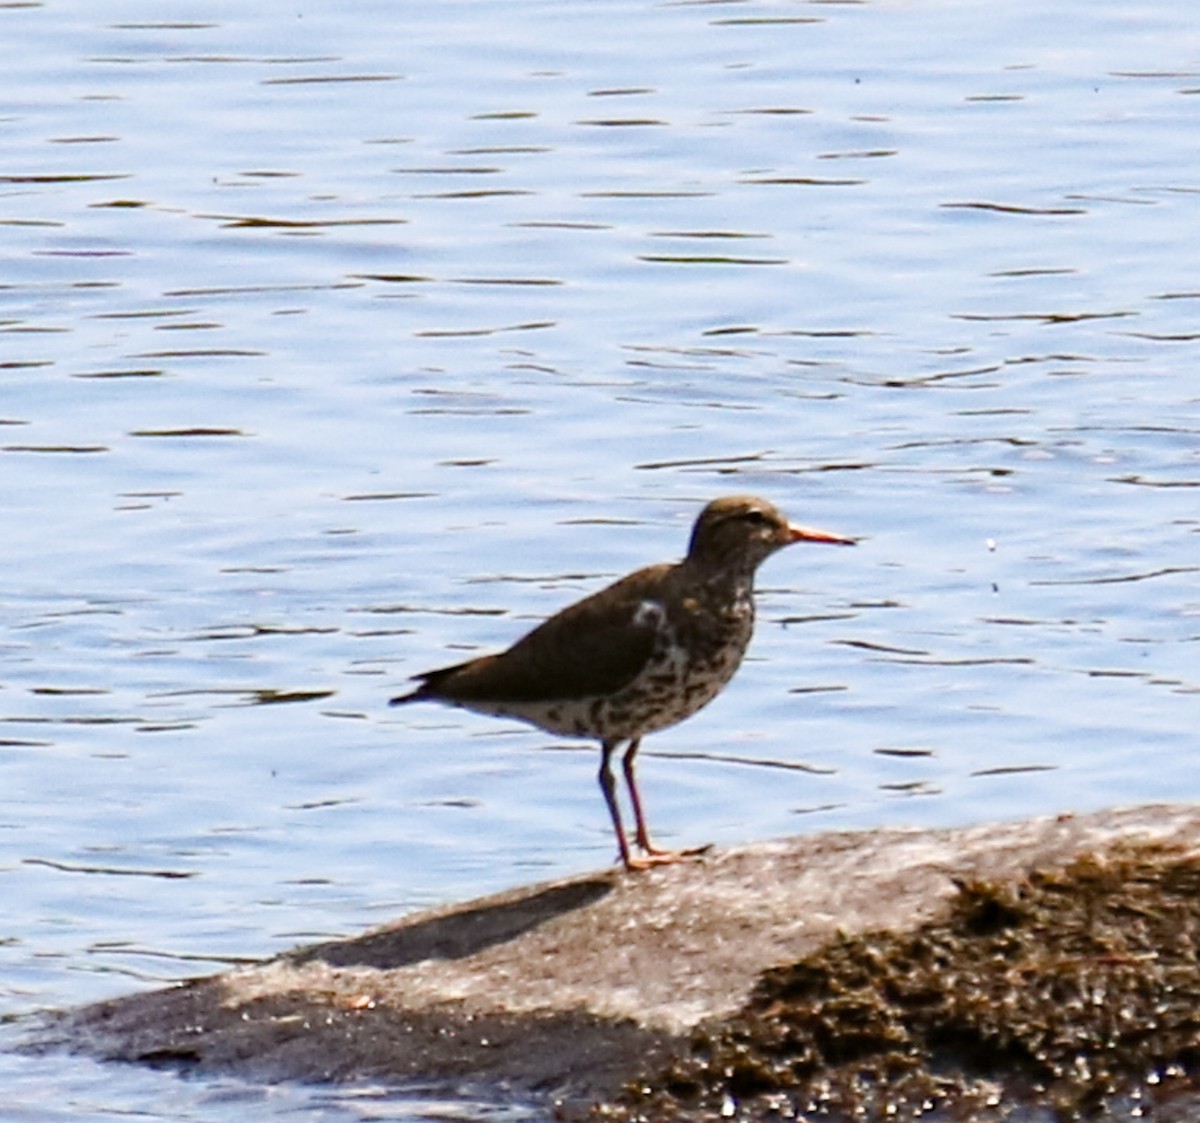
(566,991)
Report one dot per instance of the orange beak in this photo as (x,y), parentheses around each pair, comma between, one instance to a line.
(808,534)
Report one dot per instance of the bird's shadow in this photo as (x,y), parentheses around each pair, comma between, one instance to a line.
(458,934)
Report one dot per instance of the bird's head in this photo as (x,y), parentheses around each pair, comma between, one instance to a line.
(737,532)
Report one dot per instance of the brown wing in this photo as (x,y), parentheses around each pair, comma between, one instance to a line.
(596,646)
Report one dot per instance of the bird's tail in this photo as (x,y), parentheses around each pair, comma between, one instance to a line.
(428,686)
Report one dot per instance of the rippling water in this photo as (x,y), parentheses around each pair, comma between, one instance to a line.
(339,343)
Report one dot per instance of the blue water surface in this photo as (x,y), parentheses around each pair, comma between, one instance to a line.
(337,343)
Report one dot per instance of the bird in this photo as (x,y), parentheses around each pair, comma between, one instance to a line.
(639,655)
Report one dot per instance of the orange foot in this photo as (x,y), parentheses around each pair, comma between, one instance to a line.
(654,857)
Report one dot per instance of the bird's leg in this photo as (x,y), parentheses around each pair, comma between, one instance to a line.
(627,764)
(609,788)
(654,856)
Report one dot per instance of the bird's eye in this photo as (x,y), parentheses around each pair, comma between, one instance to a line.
(757,518)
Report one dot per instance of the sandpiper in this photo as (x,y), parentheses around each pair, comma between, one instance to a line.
(638,656)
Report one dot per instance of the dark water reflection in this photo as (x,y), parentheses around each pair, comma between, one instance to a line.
(338,343)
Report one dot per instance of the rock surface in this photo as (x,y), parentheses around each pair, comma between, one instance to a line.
(573,988)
